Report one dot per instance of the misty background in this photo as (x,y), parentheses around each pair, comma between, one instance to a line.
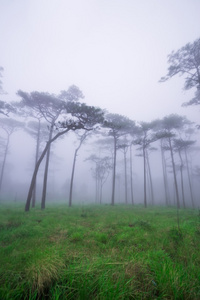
(115,52)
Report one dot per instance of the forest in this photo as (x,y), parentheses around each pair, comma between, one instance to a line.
(107,207)
(143,159)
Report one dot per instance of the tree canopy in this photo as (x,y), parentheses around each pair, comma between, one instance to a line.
(185,61)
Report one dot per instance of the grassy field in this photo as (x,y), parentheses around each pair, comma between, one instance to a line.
(99,252)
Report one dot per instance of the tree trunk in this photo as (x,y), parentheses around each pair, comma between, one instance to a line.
(101,189)
(83,137)
(131,175)
(164,168)
(189,179)
(96,184)
(145,184)
(46,171)
(125,176)
(181,171)
(98,189)
(150,178)
(174,173)
(72,178)
(36,159)
(4,161)
(114,171)
(32,185)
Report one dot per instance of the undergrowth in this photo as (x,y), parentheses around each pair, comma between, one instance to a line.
(99,252)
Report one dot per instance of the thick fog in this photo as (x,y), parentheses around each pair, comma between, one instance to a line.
(115,52)
(20,165)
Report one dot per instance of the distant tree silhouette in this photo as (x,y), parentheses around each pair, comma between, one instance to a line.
(100,173)
(9,126)
(169,127)
(82,138)
(118,126)
(145,136)
(182,146)
(123,146)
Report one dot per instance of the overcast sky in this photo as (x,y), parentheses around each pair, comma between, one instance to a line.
(115,51)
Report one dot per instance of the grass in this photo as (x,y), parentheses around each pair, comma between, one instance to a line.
(99,252)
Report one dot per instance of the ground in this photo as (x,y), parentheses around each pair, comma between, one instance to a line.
(99,252)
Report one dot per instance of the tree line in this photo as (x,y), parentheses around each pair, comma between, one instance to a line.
(53,116)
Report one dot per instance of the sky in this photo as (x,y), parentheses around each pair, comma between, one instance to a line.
(115,51)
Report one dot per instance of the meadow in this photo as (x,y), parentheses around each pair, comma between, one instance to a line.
(99,252)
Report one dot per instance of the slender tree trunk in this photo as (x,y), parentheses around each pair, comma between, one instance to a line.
(72,178)
(43,201)
(46,171)
(145,184)
(125,176)
(83,137)
(189,178)
(97,183)
(181,171)
(98,190)
(182,186)
(150,178)
(164,169)
(101,189)
(32,185)
(96,199)
(119,189)
(114,171)
(4,161)
(131,175)
(36,159)
(174,173)
(30,192)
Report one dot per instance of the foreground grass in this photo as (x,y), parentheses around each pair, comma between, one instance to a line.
(94,252)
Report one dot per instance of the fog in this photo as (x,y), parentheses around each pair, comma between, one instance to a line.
(115,52)
(20,166)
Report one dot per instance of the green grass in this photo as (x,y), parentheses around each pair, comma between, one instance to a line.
(99,252)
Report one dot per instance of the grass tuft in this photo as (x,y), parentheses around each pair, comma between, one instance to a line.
(44,271)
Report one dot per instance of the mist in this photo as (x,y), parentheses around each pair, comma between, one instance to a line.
(19,168)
